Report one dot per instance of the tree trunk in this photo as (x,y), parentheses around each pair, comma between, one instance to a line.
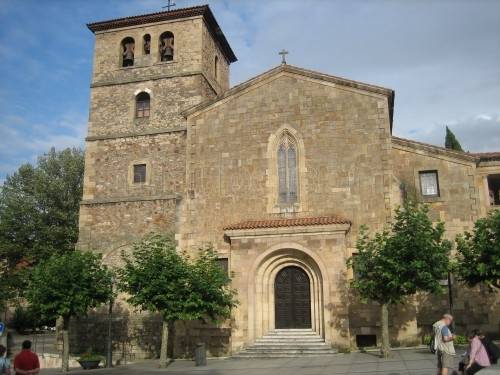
(164,344)
(384,327)
(65,351)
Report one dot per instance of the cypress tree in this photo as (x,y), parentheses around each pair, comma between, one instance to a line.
(451,141)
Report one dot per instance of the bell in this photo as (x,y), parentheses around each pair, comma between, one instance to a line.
(168,54)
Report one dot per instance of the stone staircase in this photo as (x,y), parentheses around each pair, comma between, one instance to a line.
(288,343)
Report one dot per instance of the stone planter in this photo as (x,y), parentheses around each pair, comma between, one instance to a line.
(89,364)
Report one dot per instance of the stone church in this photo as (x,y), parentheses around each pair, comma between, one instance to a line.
(278,173)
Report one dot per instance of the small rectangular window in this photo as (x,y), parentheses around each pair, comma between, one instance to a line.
(224,264)
(139,173)
(429,183)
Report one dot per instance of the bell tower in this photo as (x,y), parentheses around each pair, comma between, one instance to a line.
(147,69)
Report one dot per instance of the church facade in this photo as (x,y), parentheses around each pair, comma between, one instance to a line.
(277,173)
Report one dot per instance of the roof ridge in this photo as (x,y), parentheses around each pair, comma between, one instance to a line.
(146,14)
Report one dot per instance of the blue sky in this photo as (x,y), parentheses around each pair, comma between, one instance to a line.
(441,57)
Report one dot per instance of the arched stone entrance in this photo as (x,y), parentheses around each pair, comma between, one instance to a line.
(261,299)
(292,299)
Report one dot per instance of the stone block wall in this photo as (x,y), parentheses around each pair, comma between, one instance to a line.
(345,160)
(137,336)
(194,52)
(187,51)
(112,111)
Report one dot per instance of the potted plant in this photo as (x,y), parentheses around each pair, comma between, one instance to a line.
(90,361)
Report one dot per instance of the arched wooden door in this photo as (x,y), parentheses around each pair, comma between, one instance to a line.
(292,299)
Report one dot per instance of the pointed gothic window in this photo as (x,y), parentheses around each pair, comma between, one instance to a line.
(287,170)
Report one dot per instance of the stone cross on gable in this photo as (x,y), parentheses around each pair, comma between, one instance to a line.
(283,54)
(169,5)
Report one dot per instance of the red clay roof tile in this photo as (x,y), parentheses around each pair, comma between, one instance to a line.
(289,222)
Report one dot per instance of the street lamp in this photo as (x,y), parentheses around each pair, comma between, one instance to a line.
(109,348)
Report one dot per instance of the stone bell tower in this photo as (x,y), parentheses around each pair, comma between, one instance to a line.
(147,70)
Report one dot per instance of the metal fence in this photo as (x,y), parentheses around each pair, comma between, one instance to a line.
(42,342)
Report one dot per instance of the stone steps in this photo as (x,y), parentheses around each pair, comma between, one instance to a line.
(288,343)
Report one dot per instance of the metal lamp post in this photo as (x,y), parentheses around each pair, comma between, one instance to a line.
(109,346)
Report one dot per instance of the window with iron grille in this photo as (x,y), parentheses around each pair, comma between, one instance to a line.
(287,169)
(139,173)
(142,102)
(429,183)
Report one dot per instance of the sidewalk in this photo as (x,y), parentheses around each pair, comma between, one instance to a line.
(401,362)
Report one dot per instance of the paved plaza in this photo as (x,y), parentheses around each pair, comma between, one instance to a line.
(402,362)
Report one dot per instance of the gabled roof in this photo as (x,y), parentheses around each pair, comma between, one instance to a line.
(202,10)
(303,72)
(290,222)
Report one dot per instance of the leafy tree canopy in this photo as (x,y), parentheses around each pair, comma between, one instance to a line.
(210,282)
(69,285)
(39,208)
(412,256)
(478,253)
(451,141)
(160,279)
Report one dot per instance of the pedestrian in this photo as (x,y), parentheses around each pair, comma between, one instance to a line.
(4,361)
(26,362)
(476,354)
(443,342)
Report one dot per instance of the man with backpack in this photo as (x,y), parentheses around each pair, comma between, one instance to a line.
(443,343)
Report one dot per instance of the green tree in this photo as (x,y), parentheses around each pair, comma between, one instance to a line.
(68,285)
(39,208)
(410,257)
(160,279)
(451,142)
(478,253)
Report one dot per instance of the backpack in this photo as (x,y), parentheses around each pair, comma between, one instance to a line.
(432,345)
(492,350)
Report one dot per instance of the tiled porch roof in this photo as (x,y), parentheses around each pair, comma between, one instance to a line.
(289,222)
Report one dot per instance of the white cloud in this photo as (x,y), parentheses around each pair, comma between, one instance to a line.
(22,142)
(483,117)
